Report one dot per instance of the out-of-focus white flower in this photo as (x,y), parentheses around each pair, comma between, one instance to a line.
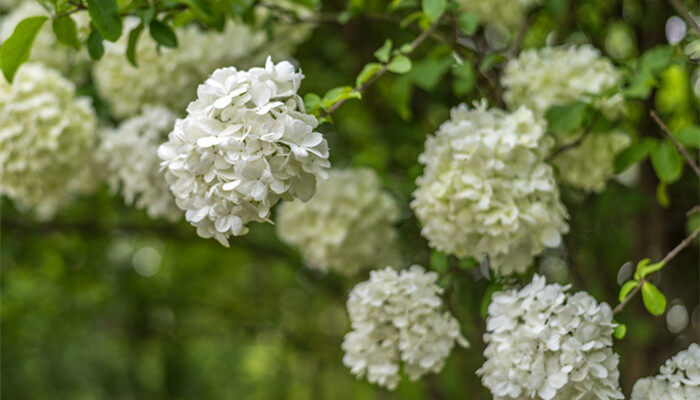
(348,224)
(396,319)
(679,379)
(506,15)
(130,156)
(45,48)
(590,164)
(486,190)
(245,144)
(169,77)
(544,343)
(7,5)
(46,140)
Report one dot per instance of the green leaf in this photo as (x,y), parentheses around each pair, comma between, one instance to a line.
(383,52)
(15,50)
(312,103)
(400,64)
(655,60)
(491,60)
(367,73)
(200,6)
(66,32)
(399,95)
(486,300)
(567,117)
(467,262)
(620,331)
(666,162)
(662,195)
(438,261)
(626,289)
(433,9)
(468,22)
(131,45)
(644,268)
(163,34)
(689,136)
(94,45)
(464,78)
(340,93)
(633,154)
(427,73)
(654,300)
(105,17)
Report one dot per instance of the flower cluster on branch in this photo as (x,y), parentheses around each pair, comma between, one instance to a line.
(678,379)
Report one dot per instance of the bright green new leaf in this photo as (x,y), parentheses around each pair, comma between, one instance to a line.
(653,299)
(689,136)
(66,32)
(312,103)
(433,9)
(633,154)
(656,60)
(567,117)
(367,73)
(620,331)
(94,45)
(383,52)
(666,162)
(15,50)
(662,195)
(626,289)
(340,93)
(105,17)
(644,268)
(163,33)
(468,22)
(400,64)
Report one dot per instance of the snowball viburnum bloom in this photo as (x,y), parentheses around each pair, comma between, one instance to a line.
(486,189)
(245,144)
(507,15)
(130,156)
(396,319)
(679,379)
(348,224)
(544,343)
(46,140)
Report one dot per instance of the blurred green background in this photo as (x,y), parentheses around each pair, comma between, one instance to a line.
(103,303)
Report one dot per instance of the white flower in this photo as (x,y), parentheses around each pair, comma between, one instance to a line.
(679,379)
(507,15)
(7,5)
(486,190)
(45,48)
(348,224)
(46,140)
(245,144)
(129,154)
(396,318)
(169,77)
(544,343)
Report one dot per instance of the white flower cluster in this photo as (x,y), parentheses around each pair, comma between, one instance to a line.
(486,190)
(173,74)
(129,154)
(544,343)
(245,144)
(395,317)
(508,15)
(45,48)
(7,5)
(679,379)
(348,224)
(46,140)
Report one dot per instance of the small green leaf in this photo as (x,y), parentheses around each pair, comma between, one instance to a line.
(383,52)
(653,299)
(312,103)
(428,73)
(105,17)
(163,33)
(400,95)
(400,64)
(490,60)
(666,162)
(66,32)
(486,300)
(367,73)
(689,136)
(468,22)
(644,268)
(464,78)
(633,154)
(620,331)
(656,60)
(467,262)
(94,45)
(15,50)
(131,45)
(340,93)
(200,6)
(662,195)
(438,261)
(626,289)
(567,117)
(433,9)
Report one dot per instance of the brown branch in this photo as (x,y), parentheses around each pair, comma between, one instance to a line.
(664,261)
(683,11)
(680,147)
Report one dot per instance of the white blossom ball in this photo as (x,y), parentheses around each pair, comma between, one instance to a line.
(486,190)
(245,144)
(397,323)
(544,343)
(679,379)
(506,15)
(46,48)
(169,77)
(348,224)
(129,154)
(46,140)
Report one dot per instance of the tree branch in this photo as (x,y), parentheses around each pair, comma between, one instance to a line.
(664,261)
(680,147)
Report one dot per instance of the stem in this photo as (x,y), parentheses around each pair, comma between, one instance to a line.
(680,147)
(665,260)
(683,11)
(577,141)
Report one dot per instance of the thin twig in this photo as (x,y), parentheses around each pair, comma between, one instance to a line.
(683,11)
(665,260)
(576,142)
(680,148)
